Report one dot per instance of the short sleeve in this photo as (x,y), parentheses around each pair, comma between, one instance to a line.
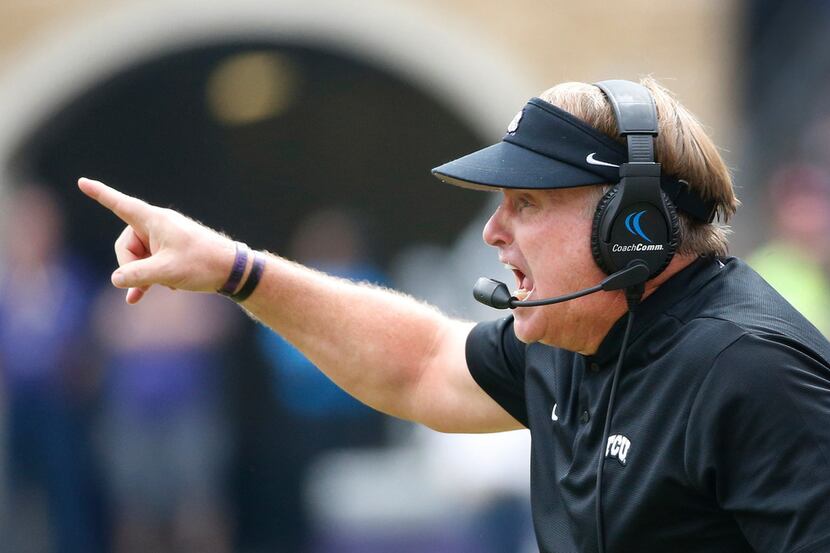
(758,442)
(496,360)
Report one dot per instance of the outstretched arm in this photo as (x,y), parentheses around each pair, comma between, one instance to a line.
(388,350)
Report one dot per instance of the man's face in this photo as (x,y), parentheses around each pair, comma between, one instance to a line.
(544,236)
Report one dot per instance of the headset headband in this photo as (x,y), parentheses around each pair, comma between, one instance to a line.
(636,117)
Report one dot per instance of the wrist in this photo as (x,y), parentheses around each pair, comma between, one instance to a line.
(252,277)
(245,272)
(239,268)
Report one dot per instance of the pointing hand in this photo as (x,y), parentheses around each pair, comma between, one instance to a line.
(162,246)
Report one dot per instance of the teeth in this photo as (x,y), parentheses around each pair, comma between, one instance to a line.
(510,267)
(521,294)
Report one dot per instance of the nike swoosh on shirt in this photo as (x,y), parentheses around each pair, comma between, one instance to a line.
(590,160)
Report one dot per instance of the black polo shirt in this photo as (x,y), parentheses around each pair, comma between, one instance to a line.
(720,440)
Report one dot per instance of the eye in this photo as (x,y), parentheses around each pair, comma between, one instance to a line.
(523,202)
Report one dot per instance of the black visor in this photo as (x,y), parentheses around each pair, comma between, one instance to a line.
(547,147)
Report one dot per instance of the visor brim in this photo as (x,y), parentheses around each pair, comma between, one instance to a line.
(506,165)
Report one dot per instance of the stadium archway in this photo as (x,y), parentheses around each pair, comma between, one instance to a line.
(359,110)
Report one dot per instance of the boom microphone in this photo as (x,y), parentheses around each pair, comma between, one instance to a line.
(495,294)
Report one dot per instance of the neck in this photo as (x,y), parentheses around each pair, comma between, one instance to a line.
(596,327)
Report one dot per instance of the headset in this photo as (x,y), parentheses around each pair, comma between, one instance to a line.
(635,221)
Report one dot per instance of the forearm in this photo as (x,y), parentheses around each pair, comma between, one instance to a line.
(373,342)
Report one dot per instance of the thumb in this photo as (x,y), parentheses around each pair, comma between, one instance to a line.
(139,273)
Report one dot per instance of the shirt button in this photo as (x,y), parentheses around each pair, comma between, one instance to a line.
(585,417)
(594,367)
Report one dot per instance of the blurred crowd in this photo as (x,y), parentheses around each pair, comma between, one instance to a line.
(124,428)
(796,257)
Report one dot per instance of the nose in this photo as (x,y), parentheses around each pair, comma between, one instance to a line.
(496,232)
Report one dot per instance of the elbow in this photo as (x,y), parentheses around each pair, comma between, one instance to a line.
(442,426)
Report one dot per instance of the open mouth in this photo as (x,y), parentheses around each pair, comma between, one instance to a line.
(524,285)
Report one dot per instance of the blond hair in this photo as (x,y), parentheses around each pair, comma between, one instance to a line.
(682,147)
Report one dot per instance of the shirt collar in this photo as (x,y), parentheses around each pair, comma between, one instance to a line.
(670,293)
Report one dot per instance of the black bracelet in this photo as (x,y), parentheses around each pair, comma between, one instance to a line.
(253,278)
(238,269)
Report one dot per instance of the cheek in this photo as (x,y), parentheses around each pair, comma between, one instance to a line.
(565,262)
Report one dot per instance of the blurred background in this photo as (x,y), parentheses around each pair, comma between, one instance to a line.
(309,128)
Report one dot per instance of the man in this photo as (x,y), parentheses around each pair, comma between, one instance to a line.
(796,254)
(719,439)
(45,378)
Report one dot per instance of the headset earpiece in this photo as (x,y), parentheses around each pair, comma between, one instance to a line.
(627,228)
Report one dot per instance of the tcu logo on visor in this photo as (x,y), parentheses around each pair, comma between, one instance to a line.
(632,223)
(617,448)
(514,124)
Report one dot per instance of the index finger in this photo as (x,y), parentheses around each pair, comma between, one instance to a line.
(131,210)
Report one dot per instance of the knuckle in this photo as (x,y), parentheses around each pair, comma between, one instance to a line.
(136,275)
(158,218)
(165,213)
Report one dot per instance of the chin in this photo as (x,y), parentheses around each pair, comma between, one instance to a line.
(528,325)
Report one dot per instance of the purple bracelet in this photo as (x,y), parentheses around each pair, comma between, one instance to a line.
(239,264)
(253,278)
